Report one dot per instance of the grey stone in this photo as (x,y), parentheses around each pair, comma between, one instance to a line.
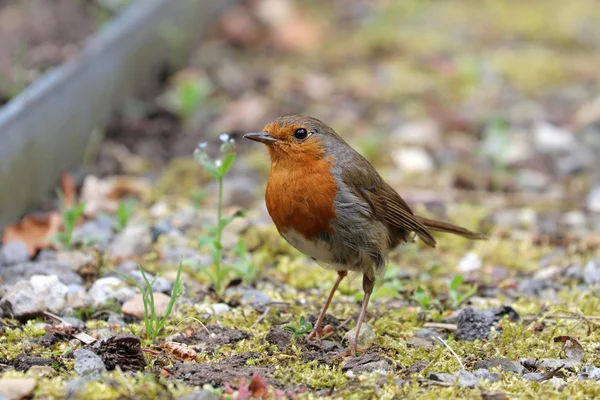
(376,366)
(365,336)
(76,322)
(160,284)
(506,364)
(591,272)
(240,191)
(77,297)
(430,334)
(206,310)
(134,240)
(534,376)
(93,232)
(248,296)
(88,364)
(110,288)
(575,160)
(115,320)
(552,139)
(553,363)
(485,375)
(473,325)
(588,373)
(593,200)
(27,299)
(160,228)
(467,379)
(25,271)
(14,253)
(442,377)
(187,255)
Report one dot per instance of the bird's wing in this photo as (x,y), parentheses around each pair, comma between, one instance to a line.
(386,205)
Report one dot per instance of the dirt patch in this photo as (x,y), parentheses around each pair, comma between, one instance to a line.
(214,335)
(280,337)
(220,372)
(36,35)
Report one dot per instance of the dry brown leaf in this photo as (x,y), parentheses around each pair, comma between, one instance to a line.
(34,231)
(573,350)
(68,188)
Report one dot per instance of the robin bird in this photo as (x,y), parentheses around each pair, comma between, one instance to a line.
(330,203)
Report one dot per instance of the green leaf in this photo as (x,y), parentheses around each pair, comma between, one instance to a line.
(456,282)
(227,220)
(227,164)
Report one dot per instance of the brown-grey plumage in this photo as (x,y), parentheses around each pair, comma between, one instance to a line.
(330,203)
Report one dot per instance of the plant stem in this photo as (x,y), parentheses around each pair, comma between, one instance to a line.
(217,261)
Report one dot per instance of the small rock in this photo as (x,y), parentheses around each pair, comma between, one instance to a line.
(159,210)
(556,382)
(88,364)
(470,262)
(135,305)
(18,272)
(110,288)
(42,370)
(161,228)
(422,133)
(473,325)
(485,375)
(134,240)
(467,379)
(506,364)
(420,343)
(14,253)
(28,299)
(551,139)
(413,159)
(207,310)
(593,200)
(553,363)
(93,232)
(442,377)
(430,334)
(160,284)
(589,373)
(534,376)
(77,297)
(591,272)
(365,337)
(248,296)
(381,366)
(16,388)
(77,260)
(577,159)
(115,320)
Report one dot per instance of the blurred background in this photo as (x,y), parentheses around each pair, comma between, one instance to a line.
(493,103)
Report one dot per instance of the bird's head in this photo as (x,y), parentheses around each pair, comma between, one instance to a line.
(296,138)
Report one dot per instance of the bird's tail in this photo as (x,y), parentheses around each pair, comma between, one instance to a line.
(440,226)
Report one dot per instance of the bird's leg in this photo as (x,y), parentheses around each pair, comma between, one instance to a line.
(353,347)
(317,332)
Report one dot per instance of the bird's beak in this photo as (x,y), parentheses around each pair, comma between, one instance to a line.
(262,137)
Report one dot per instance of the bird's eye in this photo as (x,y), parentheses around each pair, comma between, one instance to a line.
(300,133)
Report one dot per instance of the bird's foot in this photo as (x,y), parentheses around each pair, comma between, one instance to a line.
(351,350)
(315,336)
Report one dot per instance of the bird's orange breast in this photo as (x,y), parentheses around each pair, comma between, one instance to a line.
(300,196)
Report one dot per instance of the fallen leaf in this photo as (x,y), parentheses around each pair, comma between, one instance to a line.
(164,372)
(572,349)
(34,230)
(180,351)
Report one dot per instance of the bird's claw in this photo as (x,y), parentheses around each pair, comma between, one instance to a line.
(315,336)
(351,350)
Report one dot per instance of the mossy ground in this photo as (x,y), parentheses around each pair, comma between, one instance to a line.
(460,63)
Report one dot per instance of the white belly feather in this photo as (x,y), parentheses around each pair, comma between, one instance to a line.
(317,249)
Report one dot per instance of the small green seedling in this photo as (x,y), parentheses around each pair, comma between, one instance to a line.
(190,95)
(153,322)
(457,296)
(125,210)
(70,216)
(302,328)
(218,169)
(423,297)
